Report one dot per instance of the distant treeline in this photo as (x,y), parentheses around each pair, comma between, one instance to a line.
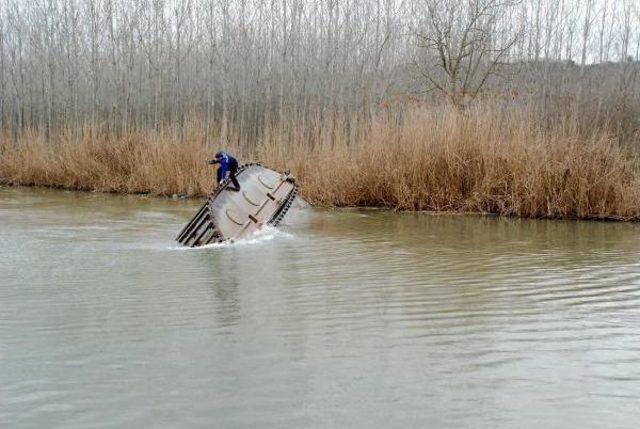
(245,66)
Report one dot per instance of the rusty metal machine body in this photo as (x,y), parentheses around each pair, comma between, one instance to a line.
(264,198)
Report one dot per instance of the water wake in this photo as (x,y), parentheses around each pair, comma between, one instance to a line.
(262,235)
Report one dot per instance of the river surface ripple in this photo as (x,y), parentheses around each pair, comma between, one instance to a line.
(337,319)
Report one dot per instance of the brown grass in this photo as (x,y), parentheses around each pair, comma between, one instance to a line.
(485,159)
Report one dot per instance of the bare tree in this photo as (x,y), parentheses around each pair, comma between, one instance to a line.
(245,66)
(586,30)
(461,47)
(2,68)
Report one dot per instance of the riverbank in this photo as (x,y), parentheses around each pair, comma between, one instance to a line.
(436,159)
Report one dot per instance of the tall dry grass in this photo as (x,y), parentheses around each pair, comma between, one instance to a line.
(485,159)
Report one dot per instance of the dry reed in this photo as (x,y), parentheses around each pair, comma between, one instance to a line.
(421,158)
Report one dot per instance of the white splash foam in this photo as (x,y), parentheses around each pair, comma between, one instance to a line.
(264,234)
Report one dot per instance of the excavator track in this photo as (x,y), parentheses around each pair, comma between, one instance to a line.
(265,198)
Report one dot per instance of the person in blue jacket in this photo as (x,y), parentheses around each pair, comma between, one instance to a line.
(228,166)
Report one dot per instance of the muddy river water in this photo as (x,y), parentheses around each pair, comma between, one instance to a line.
(338,319)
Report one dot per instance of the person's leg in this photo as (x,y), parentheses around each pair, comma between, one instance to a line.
(233,169)
(232,176)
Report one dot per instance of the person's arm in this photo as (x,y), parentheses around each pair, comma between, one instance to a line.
(213,161)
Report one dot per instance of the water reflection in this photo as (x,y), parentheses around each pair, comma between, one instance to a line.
(225,299)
